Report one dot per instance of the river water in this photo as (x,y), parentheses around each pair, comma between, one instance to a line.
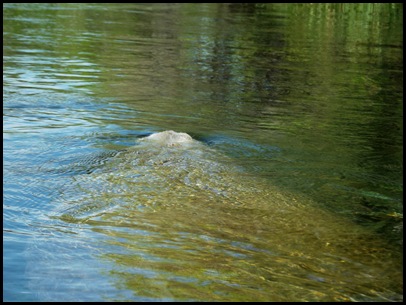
(290,191)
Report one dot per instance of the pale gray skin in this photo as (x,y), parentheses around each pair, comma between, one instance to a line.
(169,137)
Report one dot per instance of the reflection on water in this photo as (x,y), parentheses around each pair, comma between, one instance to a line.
(292,191)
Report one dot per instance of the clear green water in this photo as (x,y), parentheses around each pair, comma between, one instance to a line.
(291,192)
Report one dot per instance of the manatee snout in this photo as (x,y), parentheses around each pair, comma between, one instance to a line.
(169,137)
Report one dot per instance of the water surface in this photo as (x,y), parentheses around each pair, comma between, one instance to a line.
(291,192)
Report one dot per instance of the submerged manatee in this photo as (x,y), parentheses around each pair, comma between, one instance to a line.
(181,221)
